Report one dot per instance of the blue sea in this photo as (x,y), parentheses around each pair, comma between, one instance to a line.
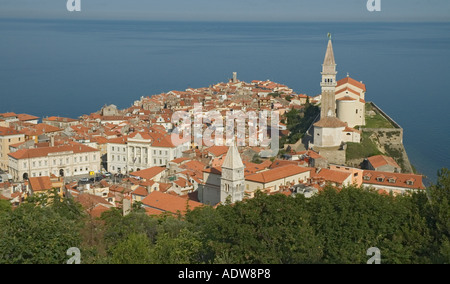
(74,67)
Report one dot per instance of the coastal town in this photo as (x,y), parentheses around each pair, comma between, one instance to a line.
(117,158)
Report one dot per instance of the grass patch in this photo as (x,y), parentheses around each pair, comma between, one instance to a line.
(365,149)
(376,121)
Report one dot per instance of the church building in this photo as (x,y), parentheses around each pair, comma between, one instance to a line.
(226,182)
(342,107)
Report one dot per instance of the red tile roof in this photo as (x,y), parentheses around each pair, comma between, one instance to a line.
(142,191)
(331,175)
(381,160)
(149,173)
(330,122)
(89,201)
(410,181)
(169,203)
(6,131)
(351,82)
(98,210)
(45,151)
(40,183)
(218,150)
(276,174)
(26,117)
(59,119)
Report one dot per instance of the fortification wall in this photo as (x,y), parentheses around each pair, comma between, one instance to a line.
(390,141)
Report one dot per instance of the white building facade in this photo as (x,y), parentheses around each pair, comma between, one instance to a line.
(67,160)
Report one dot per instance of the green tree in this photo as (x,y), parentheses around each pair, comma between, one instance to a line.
(5,207)
(40,231)
(437,211)
(118,228)
(265,229)
(185,248)
(354,219)
(134,249)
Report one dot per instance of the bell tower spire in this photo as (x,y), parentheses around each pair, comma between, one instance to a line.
(232,180)
(328,83)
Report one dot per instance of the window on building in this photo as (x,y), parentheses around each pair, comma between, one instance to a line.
(113,148)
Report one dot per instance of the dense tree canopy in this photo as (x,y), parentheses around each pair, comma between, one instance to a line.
(335,226)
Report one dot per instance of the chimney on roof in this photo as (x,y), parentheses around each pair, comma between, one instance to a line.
(52,141)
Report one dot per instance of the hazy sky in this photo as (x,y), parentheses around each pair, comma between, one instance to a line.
(232,10)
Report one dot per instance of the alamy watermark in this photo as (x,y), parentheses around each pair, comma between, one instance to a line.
(376,255)
(75,254)
(74,5)
(374,5)
(248,128)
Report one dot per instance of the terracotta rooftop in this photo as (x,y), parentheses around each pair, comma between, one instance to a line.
(330,122)
(351,82)
(59,119)
(45,151)
(169,203)
(142,191)
(381,160)
(6,131)
(276,174)
(410,181)
(218,150)
(149,173)
(40,183)
(331,175)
